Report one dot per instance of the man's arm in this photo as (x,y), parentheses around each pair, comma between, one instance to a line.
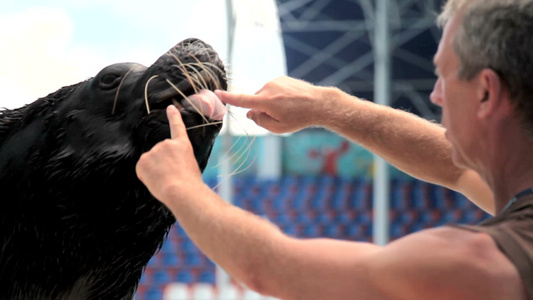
(444,263)
(410,143)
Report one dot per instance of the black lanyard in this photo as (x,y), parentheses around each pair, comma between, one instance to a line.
(521,194)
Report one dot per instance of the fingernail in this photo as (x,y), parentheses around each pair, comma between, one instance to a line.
(172,109)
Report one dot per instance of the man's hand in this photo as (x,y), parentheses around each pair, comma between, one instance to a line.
(283,104)
(170,165)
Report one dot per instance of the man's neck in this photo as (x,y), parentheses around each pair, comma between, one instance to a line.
(511,172)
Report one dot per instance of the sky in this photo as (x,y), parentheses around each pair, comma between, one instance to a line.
(47,44)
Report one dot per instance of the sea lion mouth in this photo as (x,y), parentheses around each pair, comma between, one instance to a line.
(179,93)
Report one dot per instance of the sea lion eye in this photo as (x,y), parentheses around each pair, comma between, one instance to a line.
(109,81)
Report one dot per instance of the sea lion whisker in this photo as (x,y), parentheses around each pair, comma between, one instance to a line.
(205,125)
(187,99)
(234,144)
(197,77)
(209,71)
(185,72)
(212,68)
(240,150)
(146,93)
(252,142)
(203,84)
(192,78)
(118,91)
(237,170)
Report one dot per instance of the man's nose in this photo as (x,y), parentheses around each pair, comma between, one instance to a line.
(436,95)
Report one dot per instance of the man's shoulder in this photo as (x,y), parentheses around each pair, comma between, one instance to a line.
(449,262)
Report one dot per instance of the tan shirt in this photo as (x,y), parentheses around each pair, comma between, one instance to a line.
(512,230)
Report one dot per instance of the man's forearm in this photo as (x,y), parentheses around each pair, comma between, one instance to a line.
(240,242)
(410,143)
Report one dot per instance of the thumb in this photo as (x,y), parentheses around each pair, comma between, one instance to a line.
(177,127)
(264,120)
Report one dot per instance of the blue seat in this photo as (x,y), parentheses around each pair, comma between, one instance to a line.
(290,229)
(399,230)
(161,277)
(339,201)
(154,294)
(169,246)
(452,216)
(184,276)
(407,217)
(278,204)
(304,218)
(179,231)
(207,276)
(418,195)
(146,278)
(284,218)
(319,202)
(187,246)
(171,260)
(155,261)
(312,230)
(474,216)
(364,217)
(325,217)
(299,202)
(429,218)
(193,260)
(334,231)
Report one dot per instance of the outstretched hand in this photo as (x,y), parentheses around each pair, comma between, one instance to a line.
(170,165)
(283,105)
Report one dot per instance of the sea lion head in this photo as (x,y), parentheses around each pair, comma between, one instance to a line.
(76,223)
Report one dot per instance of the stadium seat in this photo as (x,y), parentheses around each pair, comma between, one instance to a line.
(154,294)
(335,231)
(155,261)
(251,295)
(178,230)
(184,276)
(312,230)
(146,277)
(169,246)
(188,247)
(207,276)
(176,291)
(229,292)
(161,276)
(202,291)
(171,260)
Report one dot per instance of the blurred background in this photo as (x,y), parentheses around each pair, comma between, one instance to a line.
(312,183)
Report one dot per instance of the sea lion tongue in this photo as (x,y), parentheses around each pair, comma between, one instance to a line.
(206,103)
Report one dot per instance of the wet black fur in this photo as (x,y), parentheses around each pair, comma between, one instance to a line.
(75,222)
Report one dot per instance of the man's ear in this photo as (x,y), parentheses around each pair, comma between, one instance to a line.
(490,92)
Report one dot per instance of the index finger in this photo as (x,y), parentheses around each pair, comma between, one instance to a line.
(240,100)
(177,127)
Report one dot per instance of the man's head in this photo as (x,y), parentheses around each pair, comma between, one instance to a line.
(497,35)
(484,66)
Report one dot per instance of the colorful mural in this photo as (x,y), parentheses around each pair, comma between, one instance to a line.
(310,152)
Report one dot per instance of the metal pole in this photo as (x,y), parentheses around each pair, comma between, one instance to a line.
(382,91)
(226,184)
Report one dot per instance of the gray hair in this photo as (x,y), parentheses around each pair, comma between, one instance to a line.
(497,34)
